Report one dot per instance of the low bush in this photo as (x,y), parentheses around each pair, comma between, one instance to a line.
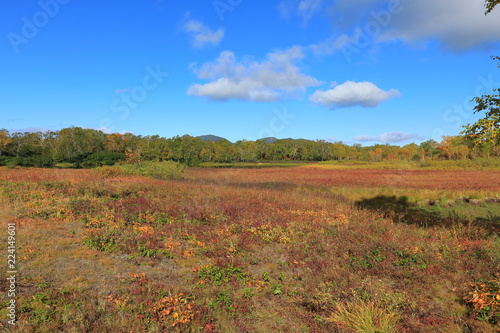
(102,158)
(38,161)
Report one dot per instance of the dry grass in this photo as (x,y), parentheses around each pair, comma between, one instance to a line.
(365,317)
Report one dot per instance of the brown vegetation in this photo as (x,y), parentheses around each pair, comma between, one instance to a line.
(268,250)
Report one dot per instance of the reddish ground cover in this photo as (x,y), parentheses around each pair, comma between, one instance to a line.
(244,251)
(417,179)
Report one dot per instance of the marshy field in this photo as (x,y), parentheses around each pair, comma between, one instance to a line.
(310,248)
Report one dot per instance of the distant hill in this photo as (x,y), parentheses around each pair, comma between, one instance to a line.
(270,139)
(211,137)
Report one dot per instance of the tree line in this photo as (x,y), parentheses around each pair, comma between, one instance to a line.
(79,147)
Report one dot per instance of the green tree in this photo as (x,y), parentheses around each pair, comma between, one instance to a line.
(486,129)
(4,139)
(339,151)
(430,148)
(247,150)
(74,144)
(324,150)
(409,152)
(115,142)
(186,149)
(156,148)
(227,151)
(490,4)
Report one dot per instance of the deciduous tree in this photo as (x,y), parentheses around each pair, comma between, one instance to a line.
(486,129)
(4,140)
(490,4)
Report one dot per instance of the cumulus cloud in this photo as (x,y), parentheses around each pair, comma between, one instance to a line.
(391,137)
(350,93)
(459,25)
(202,35)
(270,80)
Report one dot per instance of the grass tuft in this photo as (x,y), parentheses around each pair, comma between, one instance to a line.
(365,317)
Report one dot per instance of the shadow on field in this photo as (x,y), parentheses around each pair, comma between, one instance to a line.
(400,209)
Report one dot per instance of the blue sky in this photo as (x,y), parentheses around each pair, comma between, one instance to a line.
(365,71)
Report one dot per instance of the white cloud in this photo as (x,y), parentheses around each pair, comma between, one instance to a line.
(106,130)
(201,34)
(456,26)
(350,93)
(103,129)
(275,77)
(391,137)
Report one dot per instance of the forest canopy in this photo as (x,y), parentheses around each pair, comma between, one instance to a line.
(79,147)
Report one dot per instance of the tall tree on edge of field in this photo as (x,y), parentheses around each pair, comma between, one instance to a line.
(490,4)
(487,129)
(4,139)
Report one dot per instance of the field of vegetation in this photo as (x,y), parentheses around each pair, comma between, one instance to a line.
(312,248)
